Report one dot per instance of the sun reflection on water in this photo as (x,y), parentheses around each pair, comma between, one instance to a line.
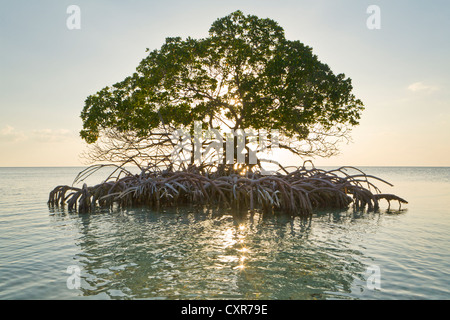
(234,248)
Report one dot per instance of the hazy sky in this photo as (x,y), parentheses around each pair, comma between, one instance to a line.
(400,72)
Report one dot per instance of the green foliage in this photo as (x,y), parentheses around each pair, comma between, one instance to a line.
(245,73)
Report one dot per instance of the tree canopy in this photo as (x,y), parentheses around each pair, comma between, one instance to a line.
(244,75)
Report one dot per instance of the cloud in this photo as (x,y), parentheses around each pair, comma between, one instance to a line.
(51,135)
(10,134)
(421,87)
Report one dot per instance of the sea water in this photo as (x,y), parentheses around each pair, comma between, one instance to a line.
(192,253)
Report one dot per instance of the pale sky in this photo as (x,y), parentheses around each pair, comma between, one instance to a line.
(400,72)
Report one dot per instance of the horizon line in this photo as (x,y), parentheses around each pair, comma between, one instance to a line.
(379,166)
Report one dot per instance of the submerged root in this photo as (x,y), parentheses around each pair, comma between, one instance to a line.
(389,198)
(298,192)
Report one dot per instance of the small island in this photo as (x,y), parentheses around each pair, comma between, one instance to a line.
(200,118)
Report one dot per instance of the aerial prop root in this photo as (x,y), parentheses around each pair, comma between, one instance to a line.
(297,192)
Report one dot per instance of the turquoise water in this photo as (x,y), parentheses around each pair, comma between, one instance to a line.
(211,254)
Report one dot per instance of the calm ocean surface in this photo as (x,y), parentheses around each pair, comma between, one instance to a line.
(192,254)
